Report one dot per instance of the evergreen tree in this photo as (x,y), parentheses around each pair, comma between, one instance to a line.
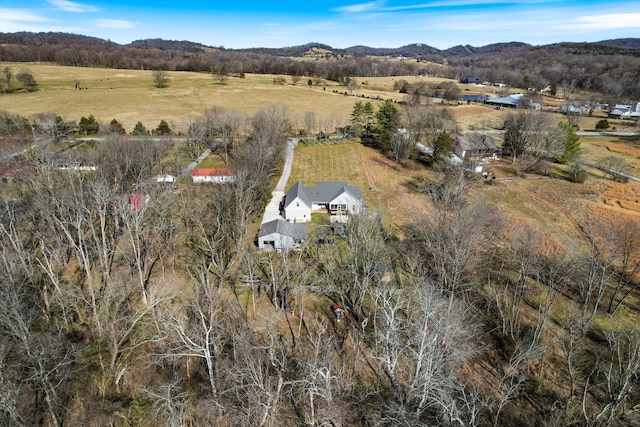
(88,125)
(163,128)
(139,130)
(368,117)
(388,122)
(442,147)
(115,127)
(357,118)
(571,144)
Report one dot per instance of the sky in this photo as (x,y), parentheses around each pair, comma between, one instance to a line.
(340,24)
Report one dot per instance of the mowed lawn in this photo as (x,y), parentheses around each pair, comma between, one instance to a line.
(383,183)
(129,96)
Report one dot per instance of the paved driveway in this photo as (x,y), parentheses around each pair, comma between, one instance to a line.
(272,211)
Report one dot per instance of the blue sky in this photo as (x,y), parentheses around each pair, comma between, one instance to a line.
(275,23)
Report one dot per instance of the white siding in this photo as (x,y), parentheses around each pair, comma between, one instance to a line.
(213,179)
(275,240)
(352,204)
(297,211)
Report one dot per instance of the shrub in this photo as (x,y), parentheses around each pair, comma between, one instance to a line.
(88,125)
(602,124)
(577,173)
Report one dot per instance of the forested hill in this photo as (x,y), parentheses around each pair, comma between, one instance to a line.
(626,46)
(609,67)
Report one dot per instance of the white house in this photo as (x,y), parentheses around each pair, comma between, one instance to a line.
(213,175)
(281,235)
(474,146)
(331,196)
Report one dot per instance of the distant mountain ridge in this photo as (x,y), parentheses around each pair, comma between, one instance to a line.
(414,50)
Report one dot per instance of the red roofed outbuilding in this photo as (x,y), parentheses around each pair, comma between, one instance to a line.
(213,175)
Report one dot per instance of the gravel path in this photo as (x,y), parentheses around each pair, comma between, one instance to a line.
(272,211)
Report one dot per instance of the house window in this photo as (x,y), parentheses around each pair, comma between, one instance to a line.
(297,203)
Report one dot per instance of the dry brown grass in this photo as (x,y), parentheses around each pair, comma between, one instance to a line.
(129,96)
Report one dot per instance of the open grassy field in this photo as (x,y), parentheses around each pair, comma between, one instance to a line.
(129,96)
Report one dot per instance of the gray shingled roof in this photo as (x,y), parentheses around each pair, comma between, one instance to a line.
(476,143)
(285,228)
(297,190)
(324,192)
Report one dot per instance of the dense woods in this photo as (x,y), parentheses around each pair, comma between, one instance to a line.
(120,306)
(609,68)
(120,298)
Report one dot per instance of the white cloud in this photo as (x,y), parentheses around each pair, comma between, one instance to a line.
(609,21)
(20,15)
(362,7)
(70,6)
(117,24)
(12,20)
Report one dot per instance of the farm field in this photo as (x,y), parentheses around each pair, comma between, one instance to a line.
(129,96)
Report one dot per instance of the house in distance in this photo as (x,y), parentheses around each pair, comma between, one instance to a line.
(213,175)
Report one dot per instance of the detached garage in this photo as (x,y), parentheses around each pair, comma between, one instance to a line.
(281,235)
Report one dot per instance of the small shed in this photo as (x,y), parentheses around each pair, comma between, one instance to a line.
(281,235)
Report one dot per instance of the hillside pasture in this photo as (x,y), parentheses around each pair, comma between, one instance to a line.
(129,96)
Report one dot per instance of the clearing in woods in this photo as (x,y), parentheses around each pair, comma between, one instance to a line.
(382,181)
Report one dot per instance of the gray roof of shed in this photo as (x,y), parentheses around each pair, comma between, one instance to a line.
(476,142)
(283,227)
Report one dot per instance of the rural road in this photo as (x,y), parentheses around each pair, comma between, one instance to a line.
(272,211)
(579,133)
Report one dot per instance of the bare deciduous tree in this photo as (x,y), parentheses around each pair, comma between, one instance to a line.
(615,380)
(421,340)
(452,234)
(532,133)
(160,79)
